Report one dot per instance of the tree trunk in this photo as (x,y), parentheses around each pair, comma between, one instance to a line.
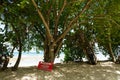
(49,51)
(5,63)
(87,48)
(49,54)
(109,47)
(19,57)
(91,55)
(110,51)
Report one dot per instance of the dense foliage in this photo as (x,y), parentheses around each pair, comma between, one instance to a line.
(70,26)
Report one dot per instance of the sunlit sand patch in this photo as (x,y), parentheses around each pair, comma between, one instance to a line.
(118,72)
(107,64)
(118,78)
(109,71)
(92,78)
(29,77)
(58,74)
(26,78)
(49,77)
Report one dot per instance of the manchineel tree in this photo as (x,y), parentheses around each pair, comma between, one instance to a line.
(3,48)
(112,25)
(106,26)
(11,15)
(58,17)
(52,28)
(103,28)
(79,47)
(80,43)
(45,23)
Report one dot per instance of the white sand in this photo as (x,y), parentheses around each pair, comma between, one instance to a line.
(26,61)
(31,60)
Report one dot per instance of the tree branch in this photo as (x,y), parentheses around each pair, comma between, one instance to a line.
(41,33)
(43,19)
(58,17)
(72,22)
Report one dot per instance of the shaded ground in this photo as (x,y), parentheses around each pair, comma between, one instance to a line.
(71,71)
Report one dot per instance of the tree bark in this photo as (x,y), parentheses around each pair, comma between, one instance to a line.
(19,57)
(5,63)
(91,54)
(110,51)
(19,42)
(87,48)
(49,53)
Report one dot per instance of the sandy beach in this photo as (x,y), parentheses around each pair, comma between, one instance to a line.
(70,71)
(66,71)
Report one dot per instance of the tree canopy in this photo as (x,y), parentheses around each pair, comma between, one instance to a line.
(71,26)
